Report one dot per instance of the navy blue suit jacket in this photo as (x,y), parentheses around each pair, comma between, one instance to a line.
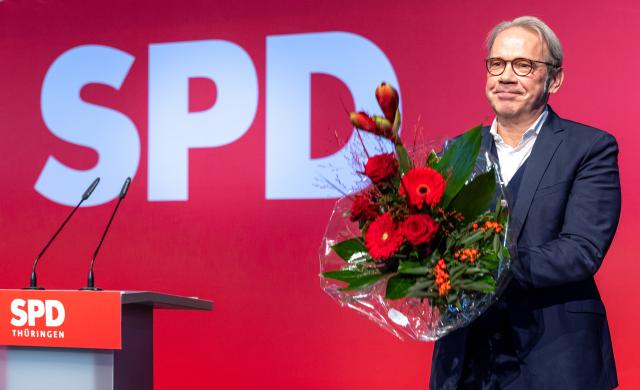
(549,329)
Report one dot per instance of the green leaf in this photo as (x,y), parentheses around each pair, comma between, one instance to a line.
(480,287)
(397,287)
(422,284)
(433,159)
(475,271)
(456,271)
(474,198)
(346,249)
(412,268)
(484,285)
(489,261)
(488,265)
(452,296)
(396,123)
(458,161)
(355,279)
(489,257)
(423,294)
(403,159)
(470,239)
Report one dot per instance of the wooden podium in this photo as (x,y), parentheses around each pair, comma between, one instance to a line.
(81,340)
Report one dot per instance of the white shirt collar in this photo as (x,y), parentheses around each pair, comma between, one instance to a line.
(531,131)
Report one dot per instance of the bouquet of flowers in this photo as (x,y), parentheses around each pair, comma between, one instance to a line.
(424,249)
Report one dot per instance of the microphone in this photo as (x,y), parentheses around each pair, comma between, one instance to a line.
(33,284)
(90,278)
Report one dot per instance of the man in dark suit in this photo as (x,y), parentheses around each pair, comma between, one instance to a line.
(549,329)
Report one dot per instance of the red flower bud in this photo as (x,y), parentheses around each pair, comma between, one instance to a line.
(383,126)
(362,121)
(376,125)
(388,100)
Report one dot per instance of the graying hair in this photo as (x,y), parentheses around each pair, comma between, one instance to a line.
(546,34)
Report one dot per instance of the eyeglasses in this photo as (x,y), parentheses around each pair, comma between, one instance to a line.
(520,66)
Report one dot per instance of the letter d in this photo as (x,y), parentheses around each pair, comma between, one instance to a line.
(50,305)
(291,60)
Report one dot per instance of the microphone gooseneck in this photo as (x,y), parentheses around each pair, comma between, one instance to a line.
(91,278)
(33,282)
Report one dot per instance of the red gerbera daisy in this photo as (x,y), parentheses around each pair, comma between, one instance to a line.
(383,237)
(424,185)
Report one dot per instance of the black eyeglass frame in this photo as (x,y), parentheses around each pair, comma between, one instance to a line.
(530,61)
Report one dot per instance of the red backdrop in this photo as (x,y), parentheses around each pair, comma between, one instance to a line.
(272,326)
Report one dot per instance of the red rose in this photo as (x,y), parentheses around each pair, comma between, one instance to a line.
(419,228)
(363,208)
(383,238)
(388,100)
(423,185)
(381,167)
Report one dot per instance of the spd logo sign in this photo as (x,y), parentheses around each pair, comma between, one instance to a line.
(69,319)
(27,312)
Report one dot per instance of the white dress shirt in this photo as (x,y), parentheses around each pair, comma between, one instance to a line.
(512,158)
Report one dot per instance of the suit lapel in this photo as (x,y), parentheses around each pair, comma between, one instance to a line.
(549,138)
(487,139)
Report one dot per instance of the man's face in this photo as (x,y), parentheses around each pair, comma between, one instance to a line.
(518,97)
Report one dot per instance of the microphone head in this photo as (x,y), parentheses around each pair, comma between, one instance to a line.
(89,190)
(125,188)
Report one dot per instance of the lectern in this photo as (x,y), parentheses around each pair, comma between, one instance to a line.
(81,340)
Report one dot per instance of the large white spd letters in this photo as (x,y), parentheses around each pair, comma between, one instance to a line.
(290,171)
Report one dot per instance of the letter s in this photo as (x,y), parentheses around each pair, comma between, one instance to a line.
(20,316)
(109,132)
